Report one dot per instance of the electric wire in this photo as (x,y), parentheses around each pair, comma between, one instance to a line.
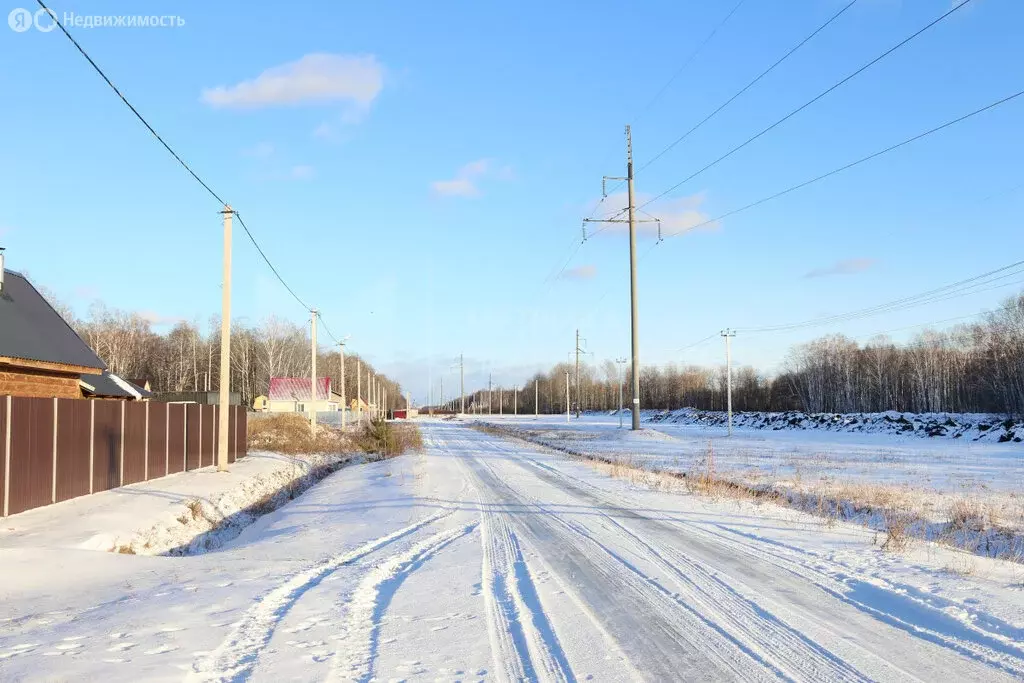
(808,103)
(749,85)
(170,150)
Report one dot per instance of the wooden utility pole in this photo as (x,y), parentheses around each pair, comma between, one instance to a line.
(225,348)
(312,374)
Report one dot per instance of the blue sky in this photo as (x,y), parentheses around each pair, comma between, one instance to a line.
(417,170)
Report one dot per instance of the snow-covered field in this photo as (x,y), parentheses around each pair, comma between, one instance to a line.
(488,559)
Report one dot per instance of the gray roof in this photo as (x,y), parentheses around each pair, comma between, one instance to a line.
(32,330)
(104,386)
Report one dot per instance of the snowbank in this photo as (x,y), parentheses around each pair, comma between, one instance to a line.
(182,514)
(967,426)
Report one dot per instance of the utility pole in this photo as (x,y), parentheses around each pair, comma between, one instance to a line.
(225,347)
(620,362)
(312,384)
(728,334)
(633,315)
(578,349)
(341,353)
(567,410)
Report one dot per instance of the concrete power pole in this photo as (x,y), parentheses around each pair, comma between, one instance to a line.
(312,384)
(225,347)
(341,352)
(633,315)
(620,362)
(568,412)
(728,334)
(577,373)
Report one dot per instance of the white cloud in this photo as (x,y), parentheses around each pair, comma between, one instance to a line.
(313,79)
(466,180)
(302,172)
(260,150)
(677,216)
(850,266)
(586,272)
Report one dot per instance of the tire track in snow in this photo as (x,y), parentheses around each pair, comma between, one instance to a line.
(372,598)
(235,657)
(524,645)
(652,630)
(965,639)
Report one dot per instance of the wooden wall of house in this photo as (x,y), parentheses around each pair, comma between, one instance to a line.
(32,383)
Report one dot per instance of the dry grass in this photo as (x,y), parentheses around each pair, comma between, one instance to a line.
(897,531)
(289,433)
(388,439)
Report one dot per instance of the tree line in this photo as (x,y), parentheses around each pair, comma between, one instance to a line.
(976,367)
(187,358)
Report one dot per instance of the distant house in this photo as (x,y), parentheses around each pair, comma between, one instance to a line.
(260,404)
(293,395)
(142,384)
(356,405)
(109,385)
(40,355)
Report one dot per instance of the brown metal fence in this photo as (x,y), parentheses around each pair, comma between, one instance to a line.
(57,449)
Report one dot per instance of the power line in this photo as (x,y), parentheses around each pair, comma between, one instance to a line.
(850,165)
(686,63)
(810,102)
(170,150)
(748,85)
(945,292)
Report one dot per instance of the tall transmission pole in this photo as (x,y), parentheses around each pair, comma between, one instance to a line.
(728,334)
(633,315)
(224,383)
(312,372)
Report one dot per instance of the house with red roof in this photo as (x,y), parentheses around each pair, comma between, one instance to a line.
(293,395)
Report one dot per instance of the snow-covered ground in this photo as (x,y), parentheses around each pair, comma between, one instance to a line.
(488,559)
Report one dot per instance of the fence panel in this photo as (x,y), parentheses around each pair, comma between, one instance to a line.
(74,433)
(176,438)
(3,453)
(193,438)
(244,434)
(232,421)
(31,453)
(106,440)
(206,446)
(134,442)
(157,440)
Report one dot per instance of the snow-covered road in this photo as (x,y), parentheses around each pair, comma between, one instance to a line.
(484,558)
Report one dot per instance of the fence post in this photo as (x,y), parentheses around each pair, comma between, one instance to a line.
(145,467)
(7,457)
(121,482)
(92,441)
(53,480)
